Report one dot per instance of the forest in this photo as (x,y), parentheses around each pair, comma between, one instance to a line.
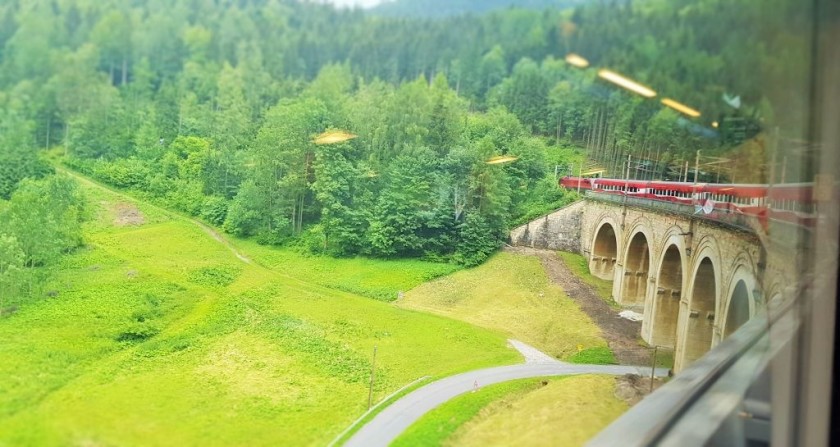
(211,108)
(448,8)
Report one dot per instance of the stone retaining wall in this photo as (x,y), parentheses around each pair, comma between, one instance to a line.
(559,230)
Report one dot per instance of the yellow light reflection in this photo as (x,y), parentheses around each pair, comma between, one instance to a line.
(501,159)
(577,60)
(333,137)
(680,107)
(626,83)
(715,124)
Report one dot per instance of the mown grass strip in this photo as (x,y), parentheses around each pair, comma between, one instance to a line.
(567,411)
(442,422)
(599,355)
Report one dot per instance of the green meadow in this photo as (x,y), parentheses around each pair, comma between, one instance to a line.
(155,333)
(511,293)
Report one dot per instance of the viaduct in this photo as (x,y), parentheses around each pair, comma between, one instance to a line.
(694,280)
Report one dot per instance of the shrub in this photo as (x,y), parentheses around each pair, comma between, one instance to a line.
(137,332)
(478,241)
(221,275)
(186,196)
(214,210)
(122,173)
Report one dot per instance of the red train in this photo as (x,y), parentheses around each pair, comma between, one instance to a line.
(789,202)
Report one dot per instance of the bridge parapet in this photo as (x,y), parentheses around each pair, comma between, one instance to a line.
(738,221)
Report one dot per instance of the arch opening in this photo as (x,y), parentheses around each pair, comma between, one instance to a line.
(604,252)
(739,309)
(636,269)
(667,300)
(701,317)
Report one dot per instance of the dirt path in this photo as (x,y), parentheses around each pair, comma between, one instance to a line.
(622,335)
(221,239)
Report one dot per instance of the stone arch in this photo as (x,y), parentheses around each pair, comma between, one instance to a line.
(637,263)
(604,250)
(738,309)
(703,296)
(665,304)
(738,304)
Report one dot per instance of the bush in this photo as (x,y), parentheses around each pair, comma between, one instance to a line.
(214,210)
(222,275)
(478,241)
(122,173)
(311,240)
(160,185)
(137,332)
(186,196)
(271,238)
(18,165)
(243,217)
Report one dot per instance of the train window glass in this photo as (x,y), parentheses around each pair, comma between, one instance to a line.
(418,133)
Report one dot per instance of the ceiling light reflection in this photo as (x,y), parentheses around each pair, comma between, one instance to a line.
(577,60)
(501,159)
(626,83)
(680,107)
(333,137)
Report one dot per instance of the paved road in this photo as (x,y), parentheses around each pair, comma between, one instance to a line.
(392,421)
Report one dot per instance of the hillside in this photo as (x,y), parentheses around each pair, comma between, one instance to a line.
(213,110)
(160,331)
(155,333)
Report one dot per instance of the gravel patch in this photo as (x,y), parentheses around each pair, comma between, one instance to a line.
(532,354)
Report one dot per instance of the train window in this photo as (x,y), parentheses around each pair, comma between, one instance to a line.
(351,149)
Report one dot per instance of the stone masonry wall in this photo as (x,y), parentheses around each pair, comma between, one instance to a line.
(559,230)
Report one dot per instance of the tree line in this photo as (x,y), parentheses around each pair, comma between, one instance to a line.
(211,108)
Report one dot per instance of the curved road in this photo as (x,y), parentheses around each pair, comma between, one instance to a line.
(392,421)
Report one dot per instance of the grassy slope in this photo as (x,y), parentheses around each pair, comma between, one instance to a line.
(568,411)
(160,336)
(441,423)
(580,267)
(511,293)
(374,278)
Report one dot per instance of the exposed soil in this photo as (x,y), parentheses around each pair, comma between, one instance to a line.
(126,214)
(631,388)
(622,335)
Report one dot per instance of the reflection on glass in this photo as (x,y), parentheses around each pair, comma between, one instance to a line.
(626,83)
(682,108)
(577,60)
(252,222)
